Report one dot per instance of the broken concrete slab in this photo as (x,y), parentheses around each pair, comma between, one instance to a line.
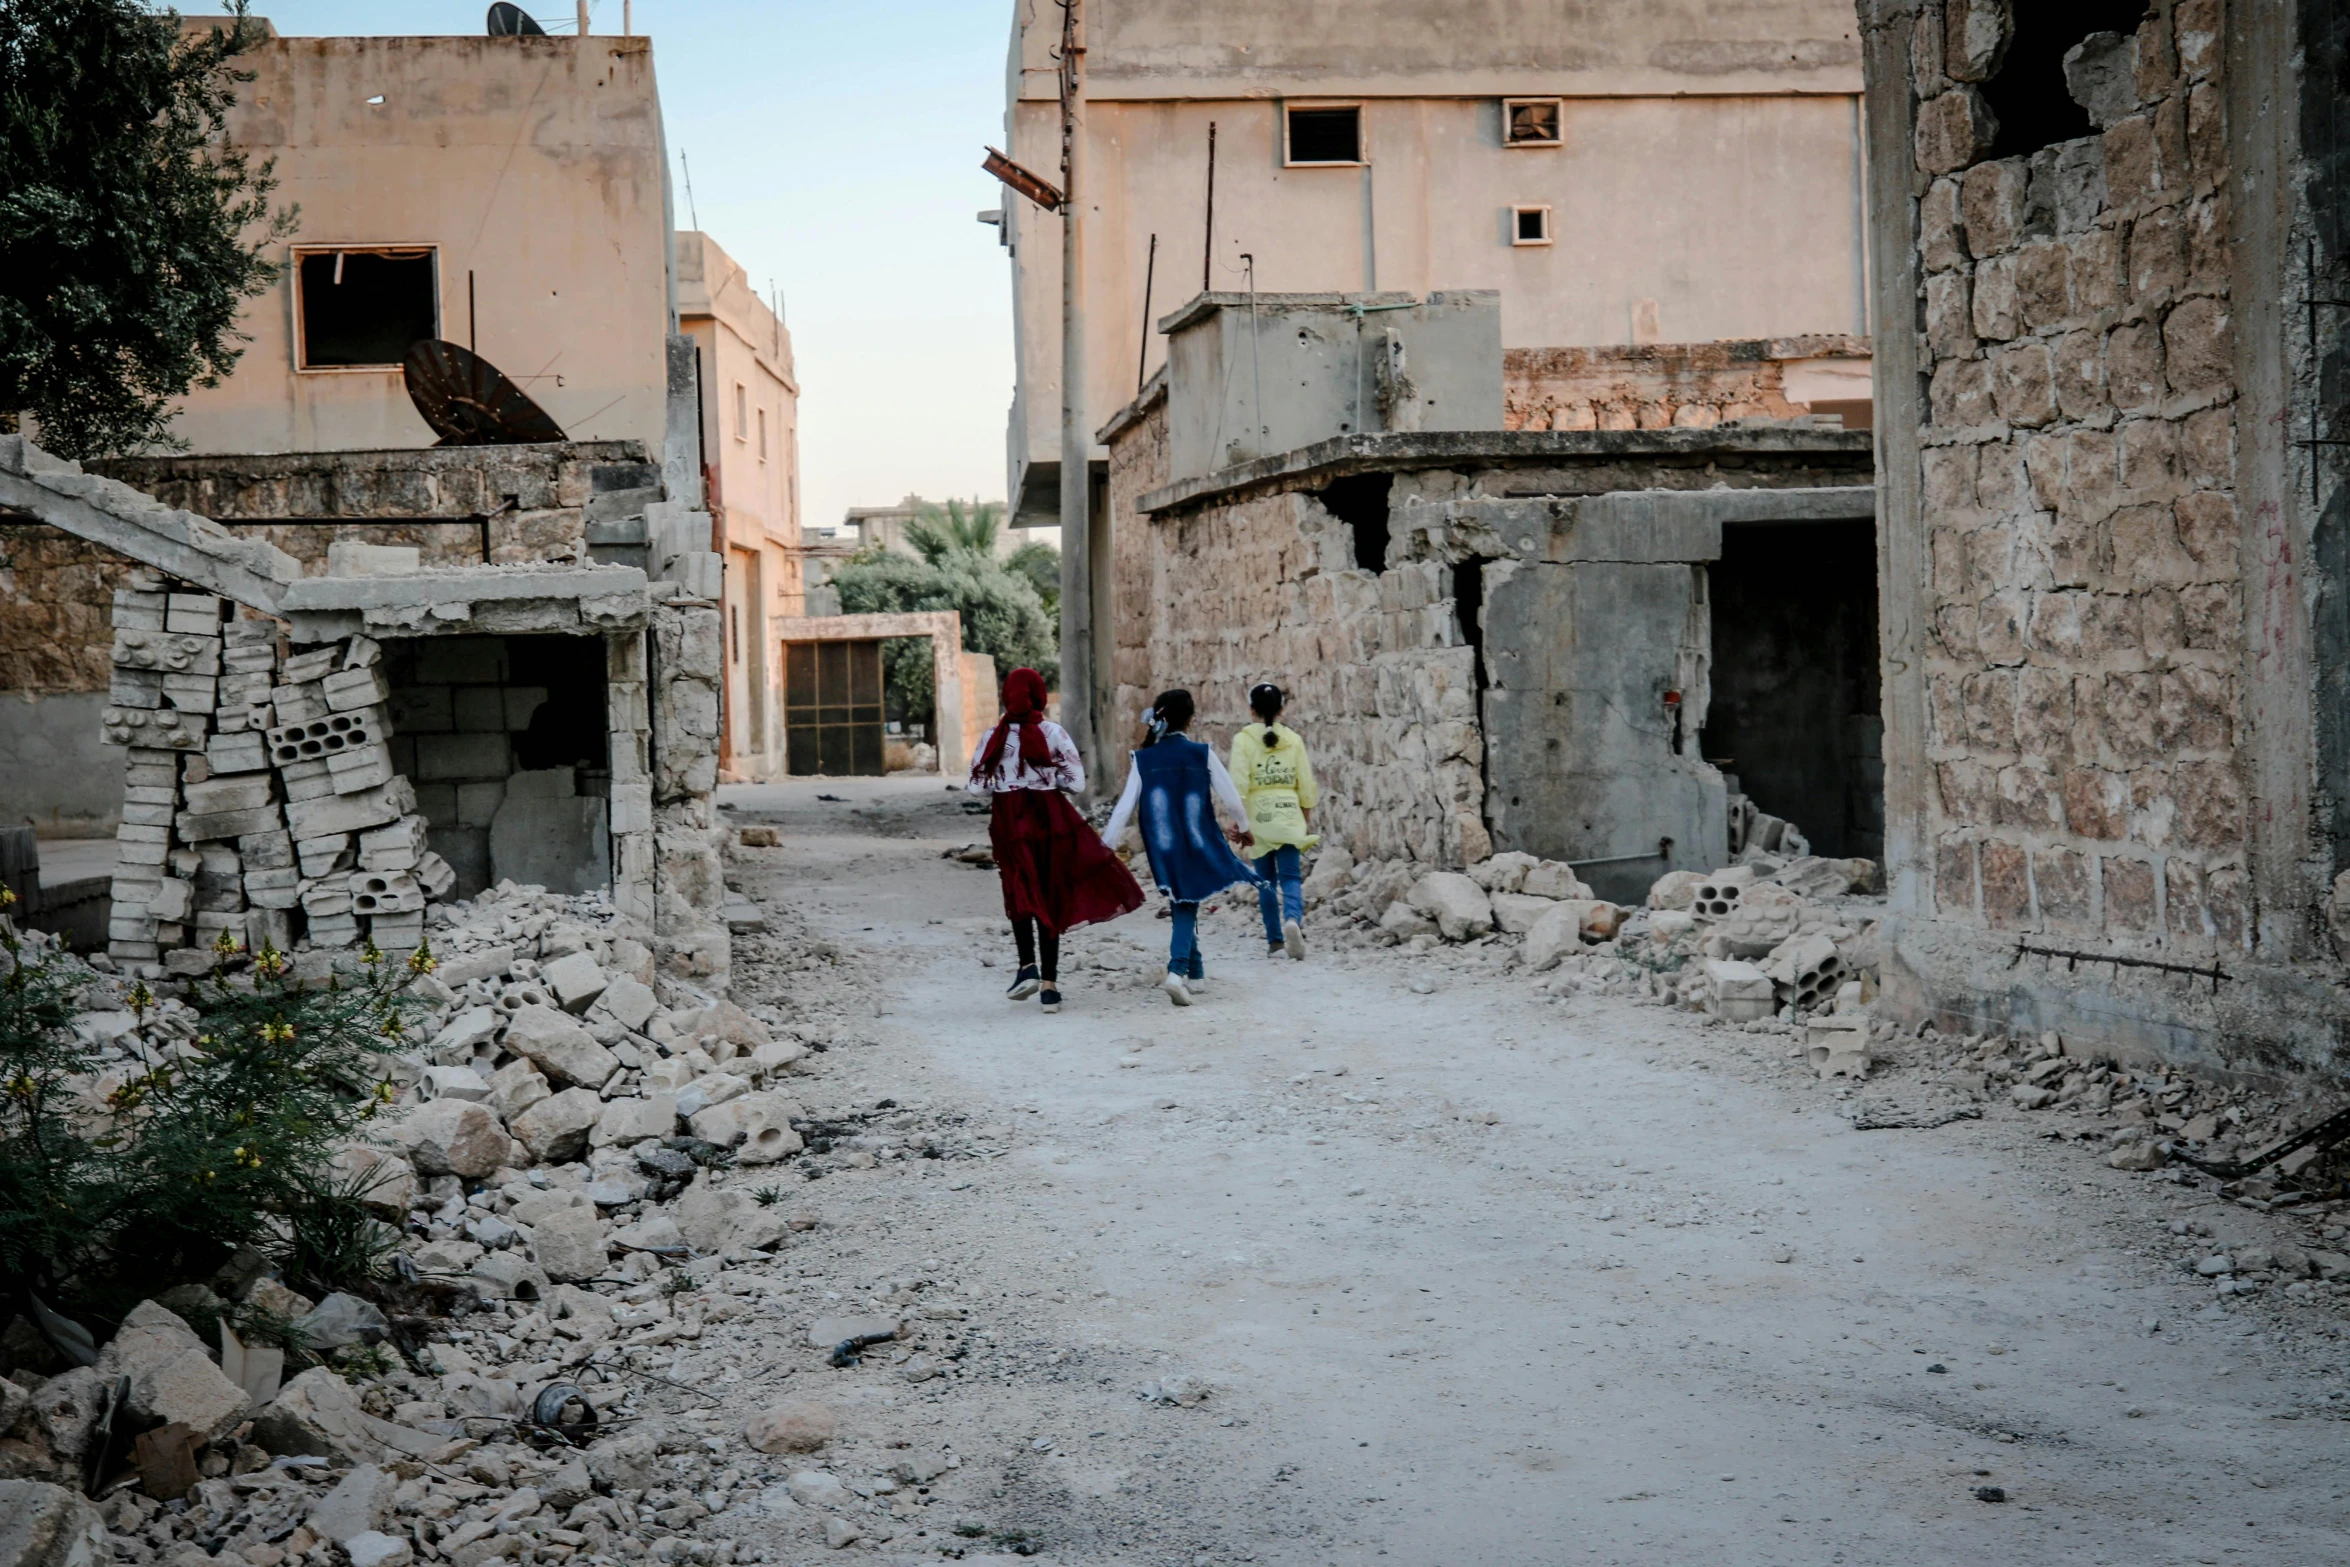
(172,1374)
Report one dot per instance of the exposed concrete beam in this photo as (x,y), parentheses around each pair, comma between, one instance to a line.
(131,522)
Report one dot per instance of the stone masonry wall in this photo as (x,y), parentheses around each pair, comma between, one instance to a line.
(1658,386)
(2079,501)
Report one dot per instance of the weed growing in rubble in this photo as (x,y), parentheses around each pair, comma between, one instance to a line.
(122,1179)
(767,1196)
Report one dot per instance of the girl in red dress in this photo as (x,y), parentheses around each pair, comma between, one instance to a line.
(1057,872)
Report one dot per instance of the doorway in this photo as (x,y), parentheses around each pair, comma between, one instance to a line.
(1794,718)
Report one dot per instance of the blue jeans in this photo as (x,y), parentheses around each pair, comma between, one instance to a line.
(1183,945)
(1283,896)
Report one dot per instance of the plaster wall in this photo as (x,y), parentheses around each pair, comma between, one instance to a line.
(534,165)
(1716,213)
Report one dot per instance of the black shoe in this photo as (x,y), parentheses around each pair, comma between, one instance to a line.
(1024,984)
(1051,999)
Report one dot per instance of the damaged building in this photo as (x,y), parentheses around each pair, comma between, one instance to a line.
(2110,259)
(662,378)
(1631,649)
(312,759)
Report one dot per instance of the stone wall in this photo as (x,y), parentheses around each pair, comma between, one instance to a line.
(1662,386)
(1338,581)
(2075,492)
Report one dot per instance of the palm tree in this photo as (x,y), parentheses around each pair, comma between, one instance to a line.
(940,531)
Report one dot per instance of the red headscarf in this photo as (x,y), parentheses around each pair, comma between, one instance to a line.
(1024,697)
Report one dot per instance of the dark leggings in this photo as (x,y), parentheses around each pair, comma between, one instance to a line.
(1024,933)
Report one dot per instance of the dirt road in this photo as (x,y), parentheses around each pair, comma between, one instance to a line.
(1472,1276)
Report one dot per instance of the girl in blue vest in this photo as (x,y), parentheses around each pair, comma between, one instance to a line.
(1173,788)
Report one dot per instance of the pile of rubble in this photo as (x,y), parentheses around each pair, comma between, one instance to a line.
(580,1168)
(259,782)
(1793,940)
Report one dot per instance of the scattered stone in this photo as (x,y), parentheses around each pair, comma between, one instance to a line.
(342,1320)
(556,1044)
(794,1426)
(568,1243)
(1459,906)
(453,1137)
(360,1502)
(49,1526)
(171,1373)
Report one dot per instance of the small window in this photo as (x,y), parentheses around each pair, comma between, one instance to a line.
(1529,225)
(1326,135)
(762,435)
(362,308)
(734,616)
(1531,122)
(742,418)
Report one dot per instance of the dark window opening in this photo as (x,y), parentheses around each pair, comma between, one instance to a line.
(1533,225)
(734,620)
(365,307)
(1794,716)
(1326,135)
(2029,96)
(1533,122)
(1360,501)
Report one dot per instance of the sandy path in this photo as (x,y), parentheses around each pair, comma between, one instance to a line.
(1476,1277)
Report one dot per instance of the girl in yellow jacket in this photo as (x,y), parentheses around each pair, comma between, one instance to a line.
(1276,783)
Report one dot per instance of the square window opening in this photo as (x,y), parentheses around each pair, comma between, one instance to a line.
(1529,225)
(364,309)
(1326,135)
(1532,122)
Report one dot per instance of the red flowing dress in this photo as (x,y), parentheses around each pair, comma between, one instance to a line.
(1055,869)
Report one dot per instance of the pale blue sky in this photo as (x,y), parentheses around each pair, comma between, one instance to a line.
(835,149)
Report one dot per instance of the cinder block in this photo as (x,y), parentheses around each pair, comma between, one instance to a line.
(141,853)
(394,847)
(348,689)
(423,710)
(328,898)
(324,856)
(351,812)
(141,688)
(479,709)
(192,693)
(137,815)
(334,931)
(297,704)
(435,875)
(128,834)
(397,933)
(435,802)
(353,771)
(174,900)
(326,735)
(266,851)
(200,611)
(248,660)
(461,756)
(151,794)
(403,753)
(163,729)
(385,892)
(138,611)
(195,768)
(212,826)
(152,767)
(237,792)
(237,753)
(314,665)
(477,803)
(269,927)
(130,927)
(279,889)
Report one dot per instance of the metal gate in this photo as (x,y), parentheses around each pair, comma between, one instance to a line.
(832,709)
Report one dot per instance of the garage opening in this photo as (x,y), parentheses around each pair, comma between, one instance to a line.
(508,742)
(1794,720)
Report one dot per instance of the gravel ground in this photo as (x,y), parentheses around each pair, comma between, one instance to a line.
(1419,1263)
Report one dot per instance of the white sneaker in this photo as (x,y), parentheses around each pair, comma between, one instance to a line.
(1293,937)
(1197,984)
(1177,991)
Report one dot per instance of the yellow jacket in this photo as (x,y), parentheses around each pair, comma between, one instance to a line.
(1276,783)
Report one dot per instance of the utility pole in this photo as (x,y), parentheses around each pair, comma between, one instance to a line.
(1077,672)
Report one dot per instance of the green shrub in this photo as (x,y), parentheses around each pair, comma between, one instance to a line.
(215,1137)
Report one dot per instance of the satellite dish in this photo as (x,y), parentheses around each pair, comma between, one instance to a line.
(468,402)
(511,21)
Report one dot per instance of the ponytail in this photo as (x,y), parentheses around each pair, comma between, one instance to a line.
(1265,701)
